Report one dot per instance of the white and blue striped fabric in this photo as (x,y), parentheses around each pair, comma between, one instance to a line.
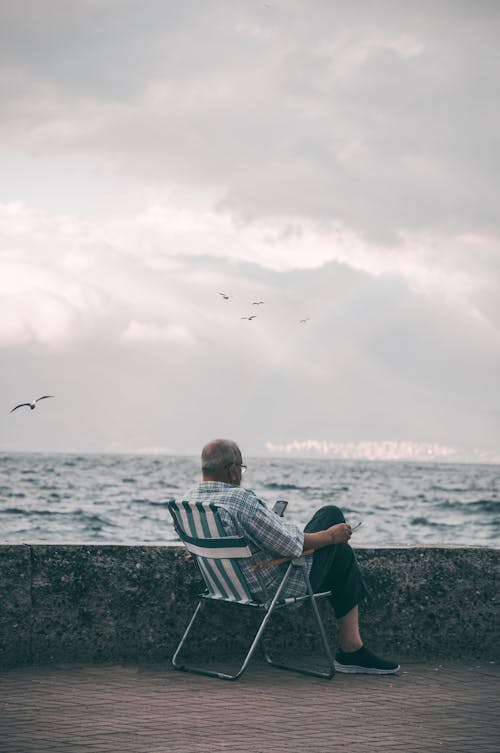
(199,527)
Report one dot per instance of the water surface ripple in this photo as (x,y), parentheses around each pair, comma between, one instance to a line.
(123,498)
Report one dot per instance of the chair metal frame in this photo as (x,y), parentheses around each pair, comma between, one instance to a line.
(214,548)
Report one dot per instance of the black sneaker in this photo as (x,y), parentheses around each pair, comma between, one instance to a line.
(364,662)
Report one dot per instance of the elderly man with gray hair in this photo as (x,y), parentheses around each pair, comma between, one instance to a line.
(332,566)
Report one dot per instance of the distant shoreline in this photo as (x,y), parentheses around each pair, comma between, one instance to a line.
(289,456)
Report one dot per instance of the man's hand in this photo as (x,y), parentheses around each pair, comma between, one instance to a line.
(338,534)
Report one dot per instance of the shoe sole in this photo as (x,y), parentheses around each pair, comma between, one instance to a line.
(353,669)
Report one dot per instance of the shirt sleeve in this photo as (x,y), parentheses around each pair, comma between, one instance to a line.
(268,531)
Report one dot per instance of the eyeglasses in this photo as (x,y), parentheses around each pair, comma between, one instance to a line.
(241,466)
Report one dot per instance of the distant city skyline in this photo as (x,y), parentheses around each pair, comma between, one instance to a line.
(330,168)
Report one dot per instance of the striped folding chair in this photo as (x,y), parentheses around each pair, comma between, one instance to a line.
(218,555)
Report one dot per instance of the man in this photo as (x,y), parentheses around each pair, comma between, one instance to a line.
(332,566)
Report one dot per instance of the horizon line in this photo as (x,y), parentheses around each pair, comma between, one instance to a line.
(464,459)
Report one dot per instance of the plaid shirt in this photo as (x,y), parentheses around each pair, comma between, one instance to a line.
(268,536)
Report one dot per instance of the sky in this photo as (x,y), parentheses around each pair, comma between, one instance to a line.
(336,160)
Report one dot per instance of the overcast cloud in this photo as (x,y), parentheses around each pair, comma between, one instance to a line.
(336,160)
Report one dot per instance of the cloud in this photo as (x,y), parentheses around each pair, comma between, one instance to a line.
(379,357)
(367,450)
(338,162)
(37,316)
(382,122)
(151,332)
(95,264)
(379,450)
(155,274)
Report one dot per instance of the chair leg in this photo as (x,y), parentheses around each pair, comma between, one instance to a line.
(293,668)
(198,609)
(251,650)
(258,636)
(183,667)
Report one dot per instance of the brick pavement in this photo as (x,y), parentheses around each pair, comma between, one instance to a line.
(446,707)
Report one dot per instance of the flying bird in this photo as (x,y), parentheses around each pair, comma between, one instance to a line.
(31,405)
(225,296)
(257,303)
(254,316)
(303,321)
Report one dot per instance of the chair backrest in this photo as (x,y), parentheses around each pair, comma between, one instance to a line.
(200,528)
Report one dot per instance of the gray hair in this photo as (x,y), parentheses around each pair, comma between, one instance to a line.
(218,454)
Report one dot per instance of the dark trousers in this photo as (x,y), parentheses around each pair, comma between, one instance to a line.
(335,567)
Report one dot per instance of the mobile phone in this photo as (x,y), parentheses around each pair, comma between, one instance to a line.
(280,507)
(353,528)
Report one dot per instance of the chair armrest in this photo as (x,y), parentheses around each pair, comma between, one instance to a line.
(280,560)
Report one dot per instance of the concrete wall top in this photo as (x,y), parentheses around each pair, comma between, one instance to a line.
(113,602)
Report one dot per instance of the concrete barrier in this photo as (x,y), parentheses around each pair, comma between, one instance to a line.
(64,603)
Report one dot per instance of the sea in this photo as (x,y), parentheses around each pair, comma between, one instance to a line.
(108,498)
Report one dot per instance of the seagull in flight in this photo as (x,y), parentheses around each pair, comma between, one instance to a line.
(254,316)
(257,303)
(225,296)
(303,321)
(31,405)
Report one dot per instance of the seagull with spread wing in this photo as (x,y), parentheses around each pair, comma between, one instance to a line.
(249,318)
(32,404)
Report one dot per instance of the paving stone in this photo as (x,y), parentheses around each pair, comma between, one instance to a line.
(144,708)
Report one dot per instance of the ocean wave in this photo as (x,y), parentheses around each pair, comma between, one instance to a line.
(275,486)
(96,522)
(124,498)
(455,489)
(57,514)
(13,511)
(470,506)
(423,521)
(31,513)
(484,505)
(303,488)
(150,502)
(155,502)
